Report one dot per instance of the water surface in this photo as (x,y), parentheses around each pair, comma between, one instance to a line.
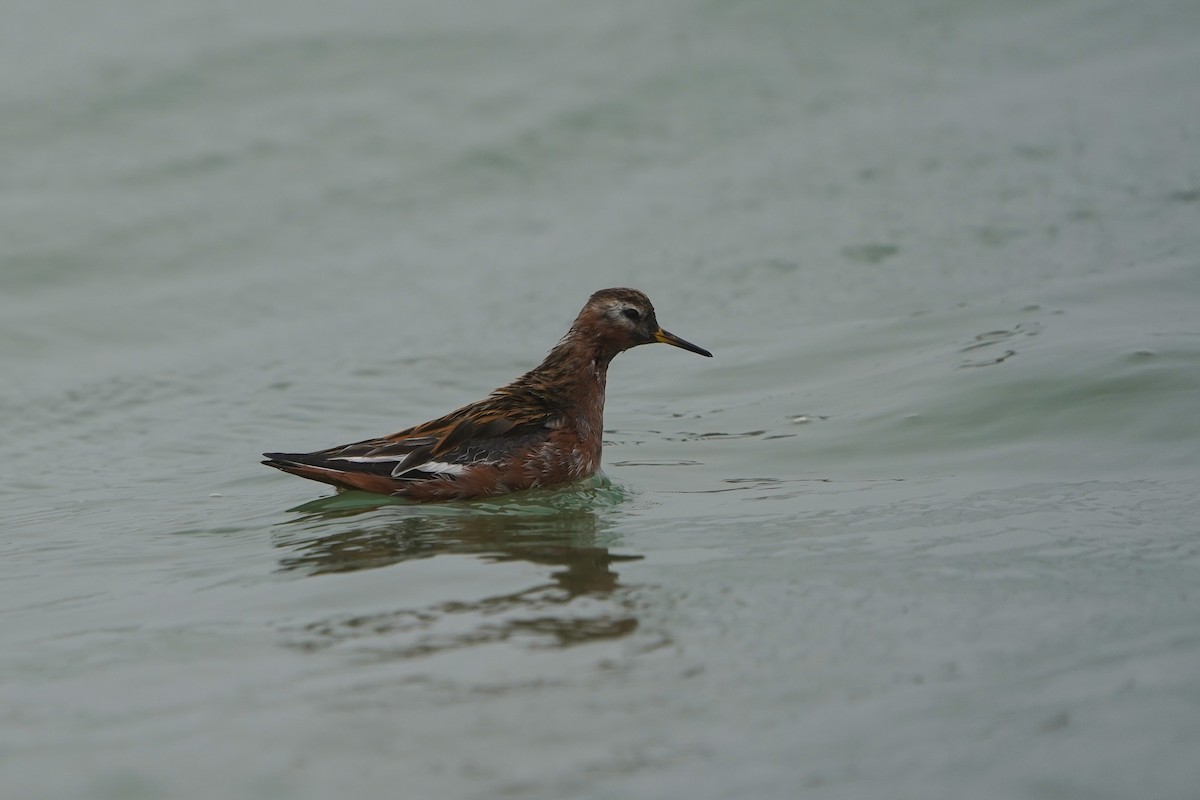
(924,527)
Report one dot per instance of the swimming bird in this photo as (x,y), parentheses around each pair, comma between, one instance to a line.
(543,429)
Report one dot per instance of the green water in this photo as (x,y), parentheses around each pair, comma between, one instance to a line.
(926,526)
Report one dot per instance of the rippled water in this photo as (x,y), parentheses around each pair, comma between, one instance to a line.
(924,527)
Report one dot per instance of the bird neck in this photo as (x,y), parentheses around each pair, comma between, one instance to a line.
(572,377)
(577,361)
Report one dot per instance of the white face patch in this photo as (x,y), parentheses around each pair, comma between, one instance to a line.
(617,312)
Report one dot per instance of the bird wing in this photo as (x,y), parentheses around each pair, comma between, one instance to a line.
(443,447)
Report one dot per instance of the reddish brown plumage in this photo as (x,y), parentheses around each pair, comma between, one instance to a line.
(542,429)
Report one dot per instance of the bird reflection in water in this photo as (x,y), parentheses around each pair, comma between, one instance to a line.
(353,534)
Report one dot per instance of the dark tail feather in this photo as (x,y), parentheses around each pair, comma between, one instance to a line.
(317,468)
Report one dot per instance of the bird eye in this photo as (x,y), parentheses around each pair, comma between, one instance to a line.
(633,314)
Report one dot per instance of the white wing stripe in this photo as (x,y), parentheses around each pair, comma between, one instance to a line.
(437,467)
(367,459)
(441,467)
